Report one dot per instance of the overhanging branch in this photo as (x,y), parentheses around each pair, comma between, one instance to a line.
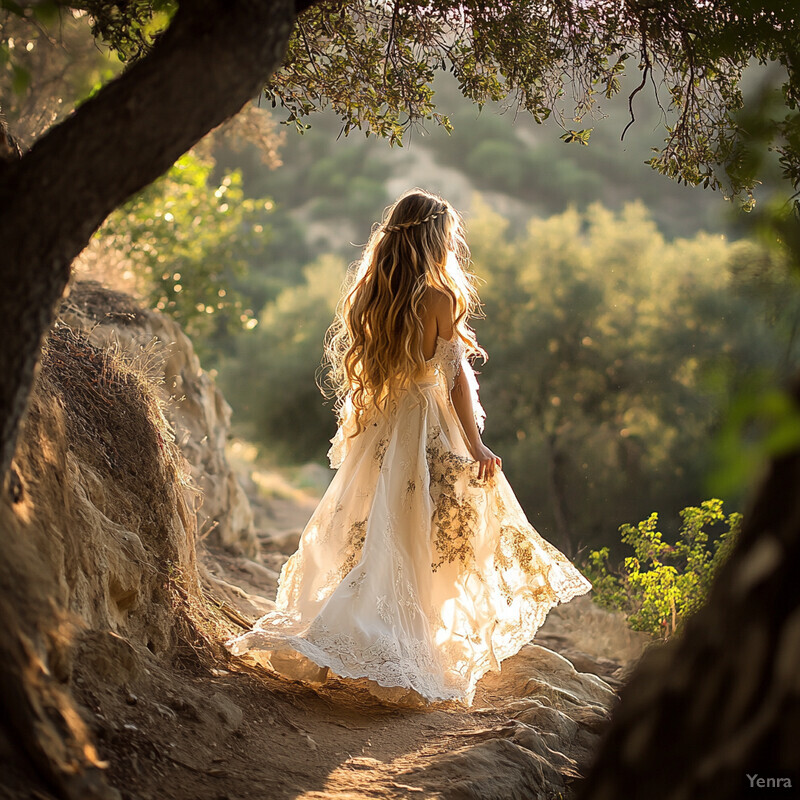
(201,71)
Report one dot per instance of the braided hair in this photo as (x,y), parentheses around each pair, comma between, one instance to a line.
(402,226)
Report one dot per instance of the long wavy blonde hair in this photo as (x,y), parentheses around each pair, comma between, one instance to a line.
(373,349)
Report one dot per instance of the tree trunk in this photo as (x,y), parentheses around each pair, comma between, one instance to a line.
(713,710)
(215,56)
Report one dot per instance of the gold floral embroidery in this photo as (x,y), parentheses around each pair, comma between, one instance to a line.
(380,450)
(515,544)
(508,629)
(505,589)
(542,591)
(521,546)
(356,582)
(454,516)
(455,522)
(501,557)
(355,542)
(411,486)
(517,541)
(447,467)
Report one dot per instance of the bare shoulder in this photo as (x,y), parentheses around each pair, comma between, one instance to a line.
(437,302)
(440,308)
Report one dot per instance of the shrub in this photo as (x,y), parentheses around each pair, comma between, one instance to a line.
(663,584)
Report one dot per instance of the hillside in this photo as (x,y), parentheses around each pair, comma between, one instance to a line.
(119,586)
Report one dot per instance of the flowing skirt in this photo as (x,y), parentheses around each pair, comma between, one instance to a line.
(412,572)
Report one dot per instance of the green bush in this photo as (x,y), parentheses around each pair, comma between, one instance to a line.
(192,240)
(663,584)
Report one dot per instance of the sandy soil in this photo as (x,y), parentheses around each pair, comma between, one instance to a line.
(233,732)
(203,726)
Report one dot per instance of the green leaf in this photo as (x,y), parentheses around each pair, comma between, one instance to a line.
(653,595)
(582,136)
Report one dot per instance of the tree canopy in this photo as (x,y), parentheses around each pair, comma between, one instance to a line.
(531,53)
(374,63)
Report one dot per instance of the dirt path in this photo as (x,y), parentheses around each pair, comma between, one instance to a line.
(235,732)
(242,736)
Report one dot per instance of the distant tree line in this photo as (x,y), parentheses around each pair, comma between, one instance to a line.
(612,355)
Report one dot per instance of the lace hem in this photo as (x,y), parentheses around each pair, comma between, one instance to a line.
(409,665)
(385,661)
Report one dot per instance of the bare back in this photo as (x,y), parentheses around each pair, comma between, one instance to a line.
(437,320)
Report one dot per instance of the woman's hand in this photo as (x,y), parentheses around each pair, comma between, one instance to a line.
(488,462)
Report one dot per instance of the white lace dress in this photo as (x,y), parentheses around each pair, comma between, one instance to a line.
(412,574)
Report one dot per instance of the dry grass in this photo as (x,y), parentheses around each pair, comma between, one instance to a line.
(115,425)
(101,304)
(114,418)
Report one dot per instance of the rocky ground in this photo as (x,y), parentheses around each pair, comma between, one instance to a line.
(530,733)
(232,732)
(122,591)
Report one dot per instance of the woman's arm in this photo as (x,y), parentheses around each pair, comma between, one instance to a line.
(462,397)
(462,402)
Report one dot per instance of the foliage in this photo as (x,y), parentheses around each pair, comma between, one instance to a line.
(191,241)
(128,26)
(271,375)
(48,63)
(613,353)
(662,584)
(30,29)
(513,155)
(374,64)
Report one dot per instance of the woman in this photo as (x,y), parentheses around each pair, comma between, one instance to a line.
(418,570)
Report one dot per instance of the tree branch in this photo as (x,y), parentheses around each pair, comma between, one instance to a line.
(646,59)
(213,58)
